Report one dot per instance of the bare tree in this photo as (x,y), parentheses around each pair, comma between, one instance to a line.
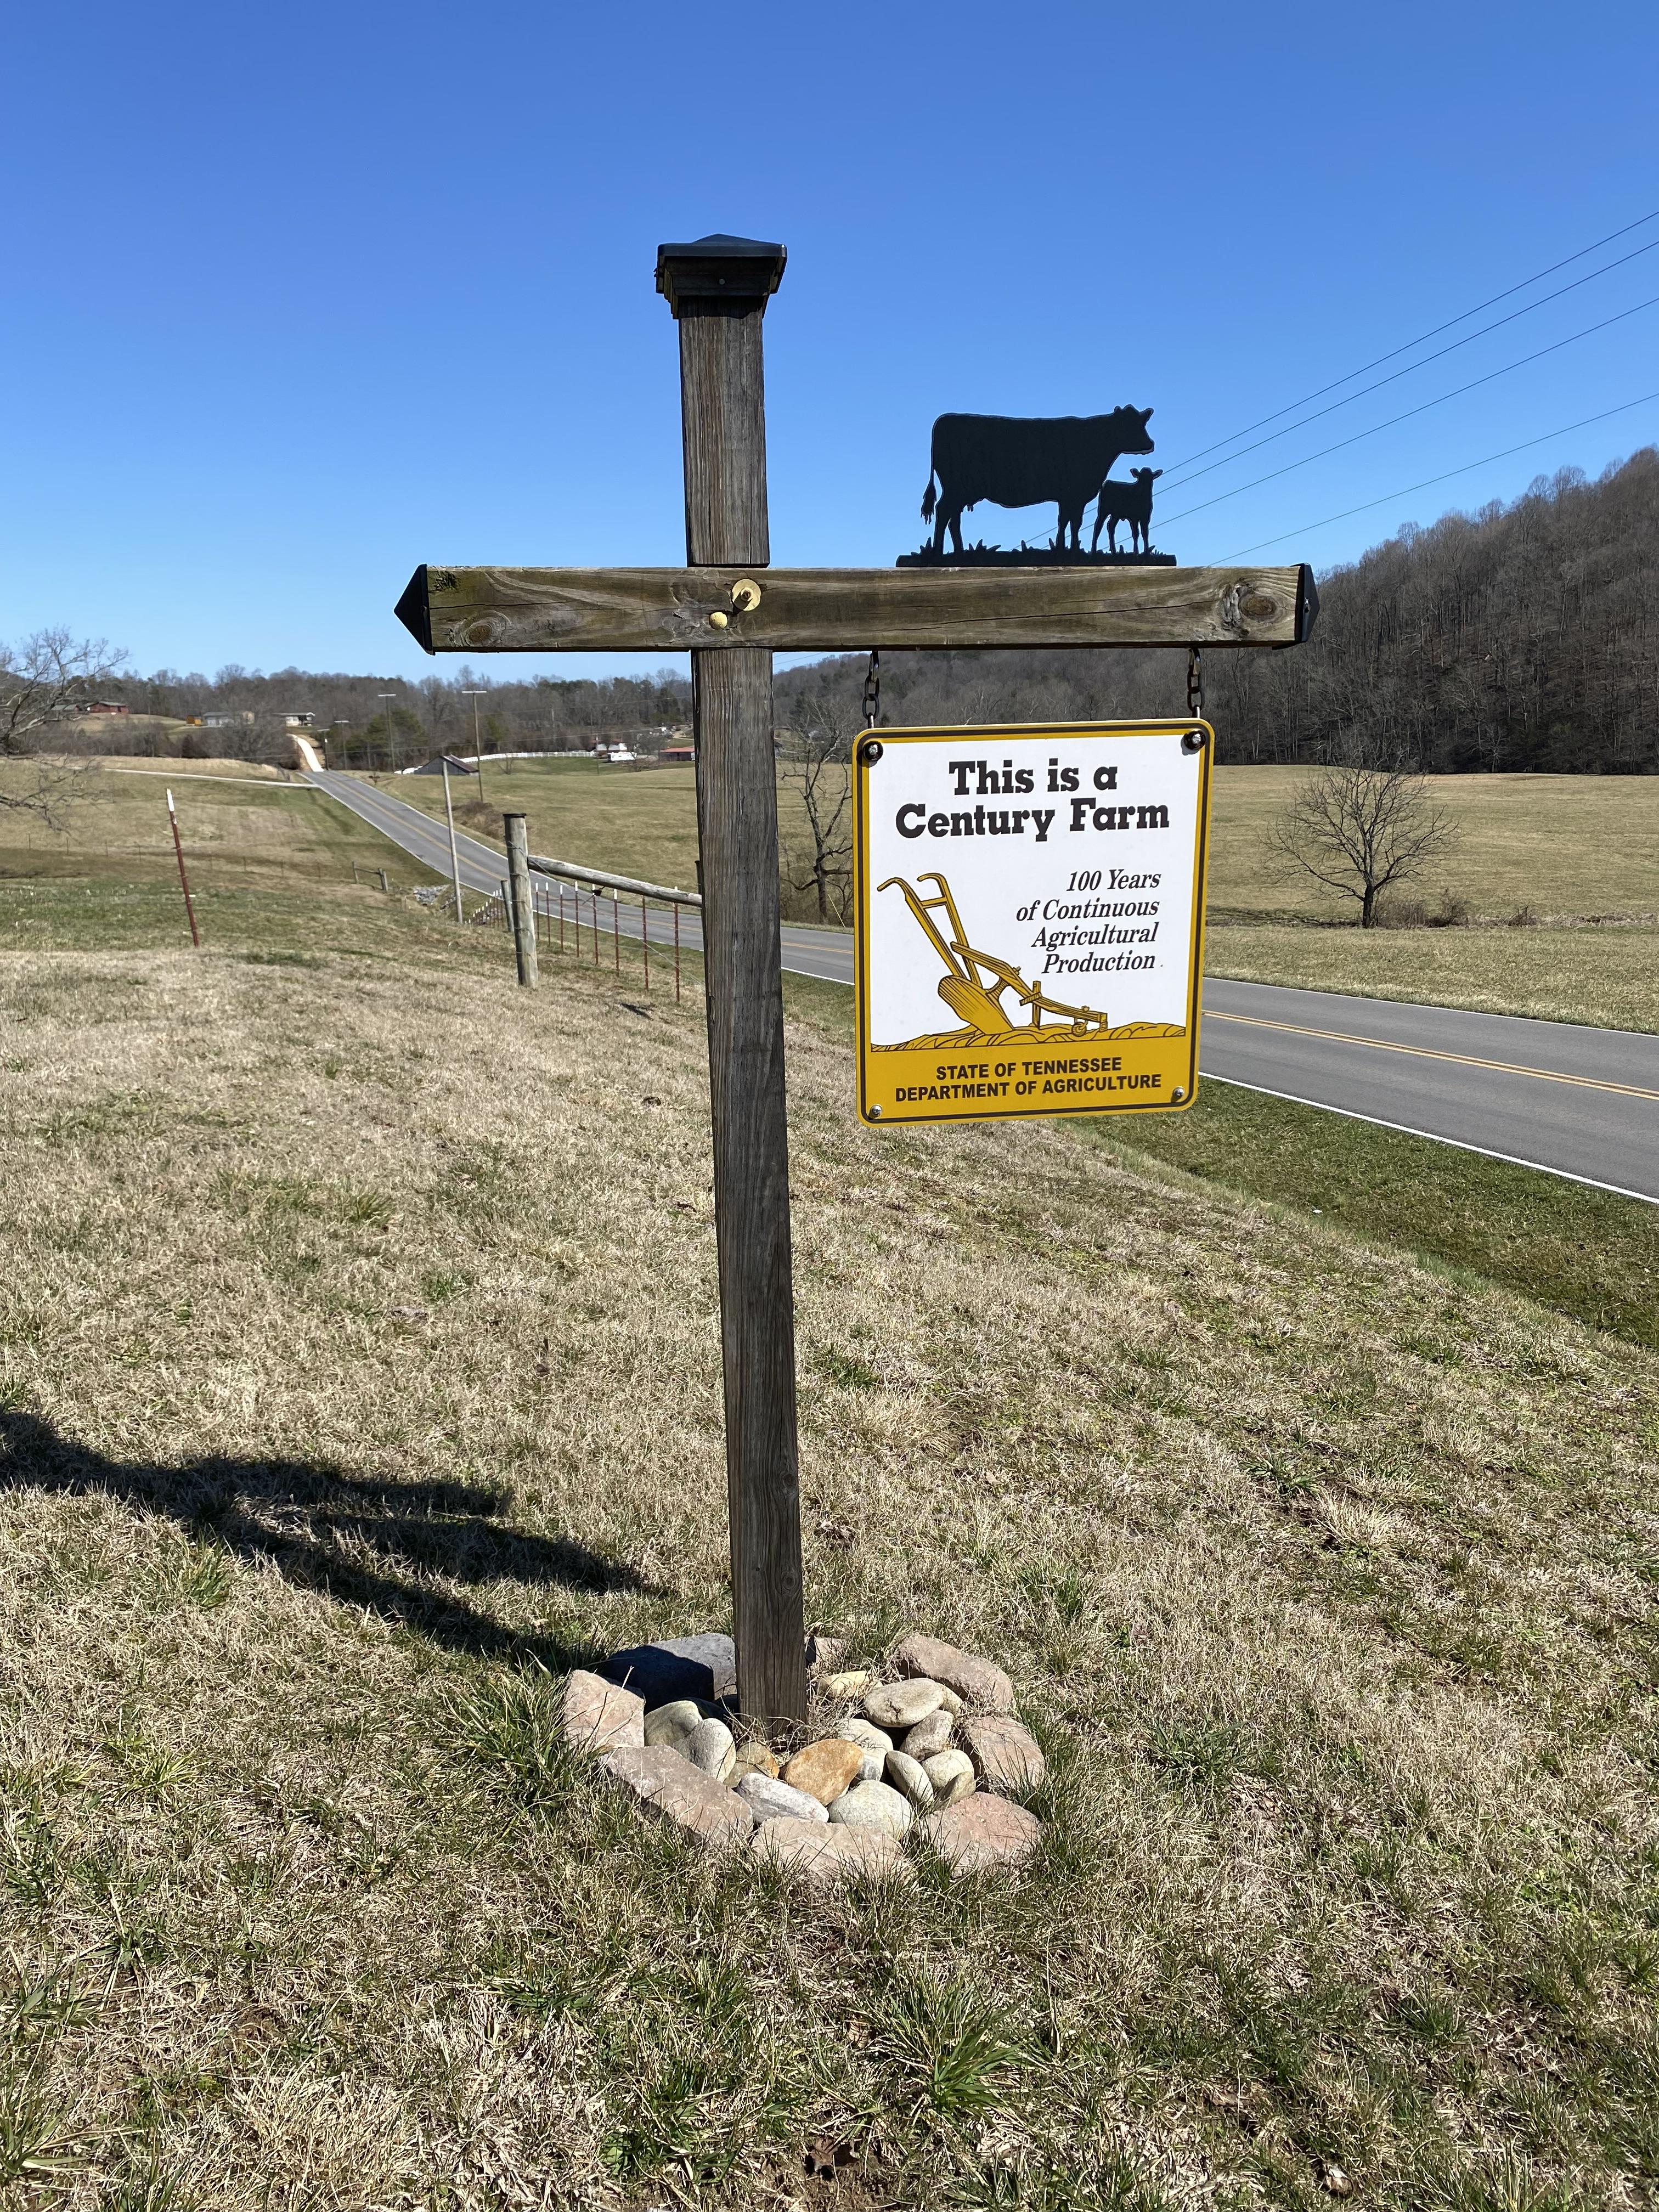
(1361,830)
(441,704)
(46,677)
(820,768)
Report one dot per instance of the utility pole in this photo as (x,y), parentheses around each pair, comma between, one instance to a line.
(478,742)
(454,858)
(391,733)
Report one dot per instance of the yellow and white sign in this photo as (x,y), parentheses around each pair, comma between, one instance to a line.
(1029,911)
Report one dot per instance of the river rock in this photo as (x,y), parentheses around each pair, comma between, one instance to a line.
(871,1742)
(776,1801)
(711,1750)
(902,1705)
(596,1716)
(952,1773)
(829,1857)
(671,1788)
(977,1681)
(846,1689)
(929,1735)
(825,1769)
(873,1805)
(910,1778)
(672,1724)
(1009,1758)
(755,1758)
(983,1834)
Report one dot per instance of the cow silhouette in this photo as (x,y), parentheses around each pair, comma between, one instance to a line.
(1019,460)
(1130,502)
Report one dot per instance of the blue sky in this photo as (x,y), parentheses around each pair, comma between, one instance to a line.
(296,297)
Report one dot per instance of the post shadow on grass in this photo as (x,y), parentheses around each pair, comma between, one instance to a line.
(364,1541)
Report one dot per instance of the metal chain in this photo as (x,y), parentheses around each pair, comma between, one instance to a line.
(872,690)
(1194,683)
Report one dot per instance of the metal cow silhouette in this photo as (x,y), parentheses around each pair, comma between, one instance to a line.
(1018,460)
(1130,502)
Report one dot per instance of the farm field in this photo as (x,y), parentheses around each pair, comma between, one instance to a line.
(244,829)
(1565,846)
(1573,846)
(336,1419)
(1608,977)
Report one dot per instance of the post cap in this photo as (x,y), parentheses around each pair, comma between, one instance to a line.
(719,271)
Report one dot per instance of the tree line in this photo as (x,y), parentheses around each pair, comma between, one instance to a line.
(1524,636)
(364,724)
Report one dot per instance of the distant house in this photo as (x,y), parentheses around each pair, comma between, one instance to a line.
(107,707)
(678,753)
(298,722)
(222,718)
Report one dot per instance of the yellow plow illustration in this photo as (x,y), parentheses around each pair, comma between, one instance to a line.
(976,996)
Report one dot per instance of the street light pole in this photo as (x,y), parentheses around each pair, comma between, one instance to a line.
(478,742)
(391,736)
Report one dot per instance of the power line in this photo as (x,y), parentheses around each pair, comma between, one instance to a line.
(1365,368)
(1411,367)
(1405,490)
(1490,377)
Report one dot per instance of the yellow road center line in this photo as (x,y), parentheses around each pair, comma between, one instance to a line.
(1427,1052)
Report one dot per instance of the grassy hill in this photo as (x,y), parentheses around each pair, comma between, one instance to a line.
(359,1371)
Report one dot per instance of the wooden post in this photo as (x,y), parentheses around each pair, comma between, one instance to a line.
(517,877)
(178,846)
(718,290)
(454,857)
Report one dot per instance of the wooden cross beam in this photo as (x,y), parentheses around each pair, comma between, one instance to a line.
(732,611)
(848,609)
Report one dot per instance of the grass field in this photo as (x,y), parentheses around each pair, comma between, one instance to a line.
(1566,847)
(1608,977)
(243,827)
(341,1399)
(1571,846)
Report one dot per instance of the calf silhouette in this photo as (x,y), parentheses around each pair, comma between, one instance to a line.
(1129,502)
(1015,460)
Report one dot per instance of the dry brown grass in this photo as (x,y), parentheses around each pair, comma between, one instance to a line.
(1607,977)
(244,827)
(359,1357)
(1572,845)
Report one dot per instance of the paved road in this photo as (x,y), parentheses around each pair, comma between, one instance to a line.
(1583,1103)
(823,952)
